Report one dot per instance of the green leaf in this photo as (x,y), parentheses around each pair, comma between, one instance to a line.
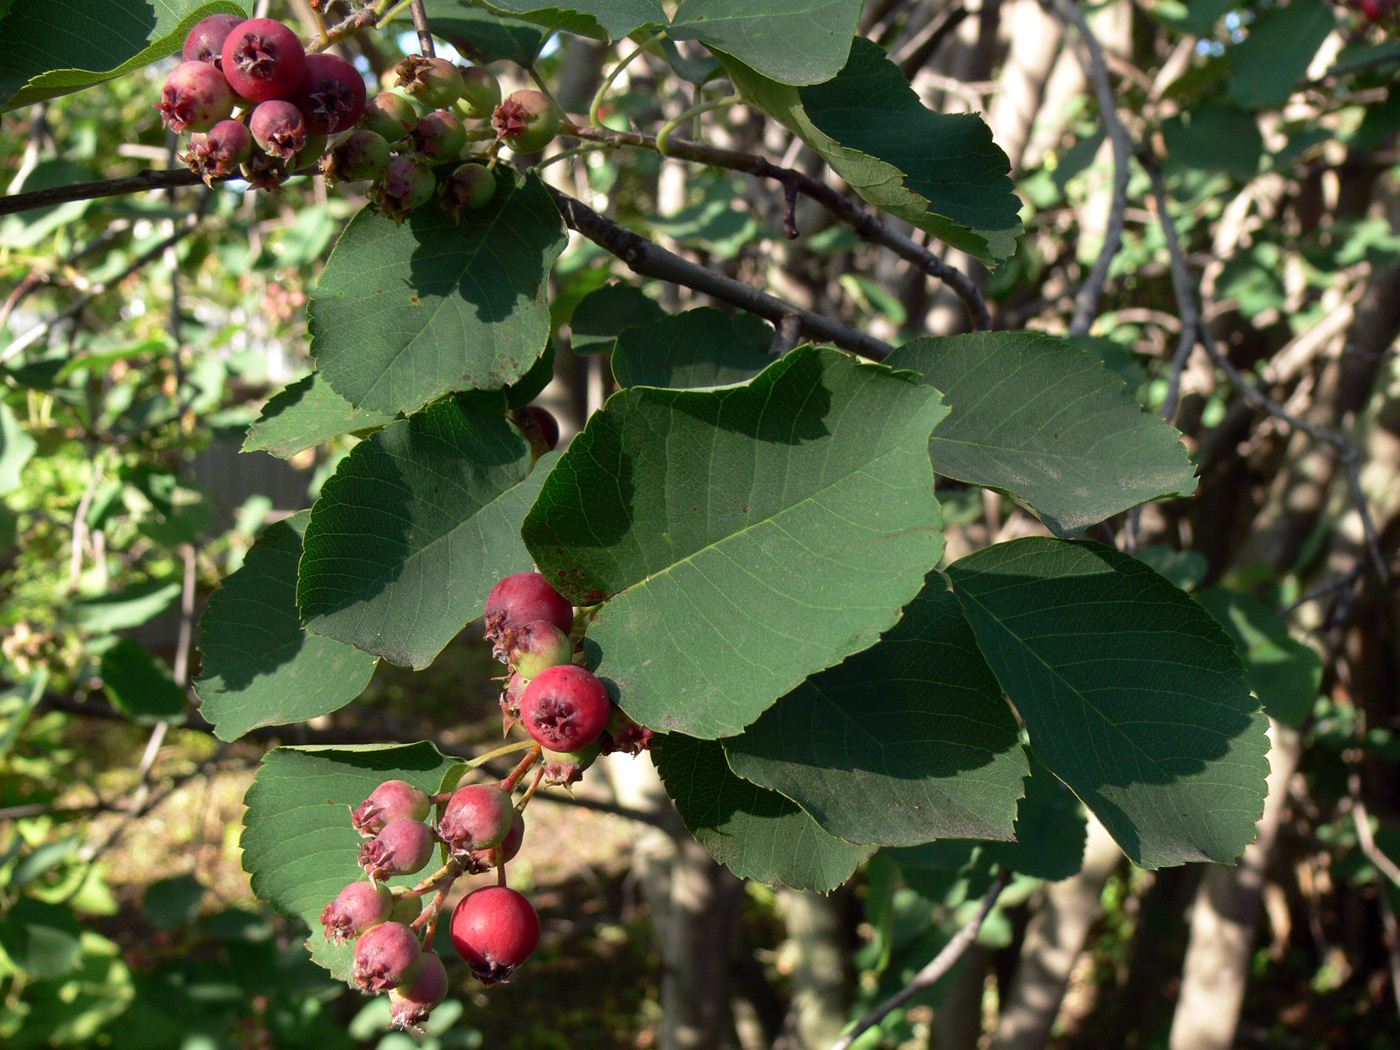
(305,414)
(699,348)
(404,314)
(1045,422)
(518,394)
(413,530)
(1051,830)
(173,902)
(1267,64)
(57,46)
(258,667)
(481,35)
(131,606)
(790,41)
(1283,672)
(756,833)
(42,939)
(29,228)
(1216,136)
(940,171)
(907,741)
(604,19)
(1132,694)
(298,843)
(178,512)
(16,448)
(140,685)
(747,537)
(601,315)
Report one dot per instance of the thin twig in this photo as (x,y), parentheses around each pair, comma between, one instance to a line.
(86,191)
(425,34)
(1086,301)
(932,973)
(1362,821)
(649,259)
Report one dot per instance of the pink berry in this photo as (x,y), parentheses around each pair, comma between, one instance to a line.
(565,708)
(391,800)
(402,848)
(478,816)
(480,860)
(384,955)
(263,60)
(278,129)
(408,185)
(533,647)
(331,96)
(422,988)
(495,929)
(355,909)
(218,154)
(195,97)
(523,597)
(206,40)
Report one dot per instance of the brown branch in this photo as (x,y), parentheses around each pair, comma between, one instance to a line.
(649,259)
(866,225)
(86,191)
(425,34)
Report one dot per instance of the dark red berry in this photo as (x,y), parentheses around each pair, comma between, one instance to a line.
(422,988)
(278,129)
(206,40)
(263,60)
(195,97)
(539,426)
(435,82)
(355,909)
(331,96)
(391,800)
(565,708)
(526,121)
(523,597)
(383,955)
(218,154)
(402,848)
(478,816)
(408,184)
(495,929)
(479,860)
(533,647)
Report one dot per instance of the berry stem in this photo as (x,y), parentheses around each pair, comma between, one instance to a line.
(507,749)
(533,756)
(530,791)
(447,873)
(663,137)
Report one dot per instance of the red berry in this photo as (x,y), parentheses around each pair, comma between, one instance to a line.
(206,40)
(331,96)
(278,129)
(194,97)
(263,60)
(218,154)
(421,989)
(565,708)
(523,597)
(534,647)
(478,816)
(384,954)
(391,800)
(526,121)
(402,848)
(495,929)
(355,909)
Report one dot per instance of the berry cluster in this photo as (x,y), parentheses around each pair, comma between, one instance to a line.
(570,718)
(258,105)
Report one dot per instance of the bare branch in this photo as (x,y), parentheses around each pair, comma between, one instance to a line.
(425,34)
(86,191)
(937,967)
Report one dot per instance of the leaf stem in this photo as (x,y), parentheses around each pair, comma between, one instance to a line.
(663,137)
(595,108)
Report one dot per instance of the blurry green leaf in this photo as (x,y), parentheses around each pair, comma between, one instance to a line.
(139,685)
(700,348)
(602,315)
(42,939)
(173,902)
(16,447)
(1283,672)
(1216,136)
(26,229)
(1267,65)
(131,606)
(42,860)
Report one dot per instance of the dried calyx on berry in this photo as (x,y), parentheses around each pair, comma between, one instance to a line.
(403,847)
(480,860)
(439,135)
(526,121)
(435,82)
(195,97)
(477,816)
(391,800)
(419,990)
(263,60)
(278,129)
(218,154)
(359,156)
(565,708)
(331,95)
(407,185)
(357,908)
(566,768)
(384,954)
(522,597)
(469,186)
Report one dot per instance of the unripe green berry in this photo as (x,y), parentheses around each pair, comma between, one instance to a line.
(470,186)
(435,82)
(361,155)
(481,92)
(439,135)
(407,184)
(389,114)
(526,121)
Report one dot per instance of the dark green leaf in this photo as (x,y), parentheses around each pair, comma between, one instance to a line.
(907,741)
(405,314)
(16,448)
(747,537)
(705,347)
(1186,569)
(131,606)
(298,843)
(258,667)
(416,526)
(790,41)
(1045,422)
(1216,136)
(1283,672)
(1132,694)
(57,46)
(1267,65)
(140,685)
(1050,831)
(173,902)
(605,19)
(42,939)
(481,35)
(942,172)
(756,833)
(179,511)
(305,414)
(518,394)
(601,316)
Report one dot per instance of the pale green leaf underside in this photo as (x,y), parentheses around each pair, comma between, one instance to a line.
(747,536)
(305,414)
(908,741)
(790,41)
(1038,418)
(1132,694)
